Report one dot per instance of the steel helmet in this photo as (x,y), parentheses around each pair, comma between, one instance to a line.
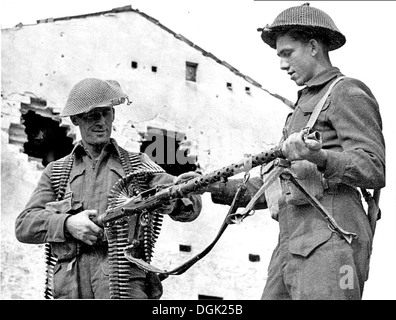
(304,16)
(93,93)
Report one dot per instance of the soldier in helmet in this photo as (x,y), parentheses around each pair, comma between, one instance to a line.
(311,260)
(95,164)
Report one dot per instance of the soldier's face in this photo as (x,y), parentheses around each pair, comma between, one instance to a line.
(96,125)
(296,59)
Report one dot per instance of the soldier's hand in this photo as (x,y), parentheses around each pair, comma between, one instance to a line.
(300,146)
(81,227)
(168,206)
(186,176)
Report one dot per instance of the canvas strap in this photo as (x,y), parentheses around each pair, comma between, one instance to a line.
(319,106)
(373,211)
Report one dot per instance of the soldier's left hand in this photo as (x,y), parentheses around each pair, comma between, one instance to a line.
(167,206)
(186,176)
(299,146)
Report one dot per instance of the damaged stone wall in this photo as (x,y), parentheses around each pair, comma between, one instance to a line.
(223,115)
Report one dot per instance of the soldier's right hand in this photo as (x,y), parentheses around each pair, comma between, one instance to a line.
(81,227)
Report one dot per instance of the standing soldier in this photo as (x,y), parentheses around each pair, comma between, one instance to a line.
(311,260)
(93,167)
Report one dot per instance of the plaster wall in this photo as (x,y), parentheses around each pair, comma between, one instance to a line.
(45,60)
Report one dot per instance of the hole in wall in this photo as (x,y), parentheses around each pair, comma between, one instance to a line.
(46,139)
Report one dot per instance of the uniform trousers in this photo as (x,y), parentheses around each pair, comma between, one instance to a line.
(87,277)
(334,270)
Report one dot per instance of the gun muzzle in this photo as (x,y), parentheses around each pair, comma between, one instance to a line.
(316,135)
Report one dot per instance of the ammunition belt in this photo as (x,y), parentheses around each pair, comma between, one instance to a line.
(140,231)
(59,176)
(137,231)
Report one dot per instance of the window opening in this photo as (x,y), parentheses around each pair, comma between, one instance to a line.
(154,69)
(185,248)
(254,257)
(191,71)
(134,65)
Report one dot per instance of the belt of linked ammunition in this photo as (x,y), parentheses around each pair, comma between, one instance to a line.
(59,177)
(139,231)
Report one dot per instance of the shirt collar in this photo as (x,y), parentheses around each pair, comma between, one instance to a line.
(324,77)
(111,147)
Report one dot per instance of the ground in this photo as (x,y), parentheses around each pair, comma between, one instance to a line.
(22,266)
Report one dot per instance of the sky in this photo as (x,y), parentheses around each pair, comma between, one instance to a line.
(228,29)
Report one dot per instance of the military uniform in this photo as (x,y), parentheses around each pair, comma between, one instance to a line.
(82,270)
(312,261)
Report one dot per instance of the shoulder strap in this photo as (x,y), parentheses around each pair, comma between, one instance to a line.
(374,212)
(319,106)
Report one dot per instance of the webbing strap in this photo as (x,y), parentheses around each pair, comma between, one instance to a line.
(318,108)
(373,212)
(332,223)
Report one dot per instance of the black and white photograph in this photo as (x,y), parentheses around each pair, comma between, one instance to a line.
(198,150)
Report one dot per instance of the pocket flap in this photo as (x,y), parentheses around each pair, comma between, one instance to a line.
(303,245)
(62,206)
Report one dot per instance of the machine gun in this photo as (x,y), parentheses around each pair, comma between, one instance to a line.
(132,220)
(153,198)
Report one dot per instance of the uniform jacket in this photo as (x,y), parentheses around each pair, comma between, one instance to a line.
(43,219)
(351,128)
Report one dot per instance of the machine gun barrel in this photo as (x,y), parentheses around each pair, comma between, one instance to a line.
(197,184)
(152,199)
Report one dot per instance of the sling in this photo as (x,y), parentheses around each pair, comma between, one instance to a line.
(373,210)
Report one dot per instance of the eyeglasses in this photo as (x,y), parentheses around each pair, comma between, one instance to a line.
(97,114)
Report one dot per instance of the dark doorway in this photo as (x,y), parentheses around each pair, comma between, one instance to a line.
(46,139)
